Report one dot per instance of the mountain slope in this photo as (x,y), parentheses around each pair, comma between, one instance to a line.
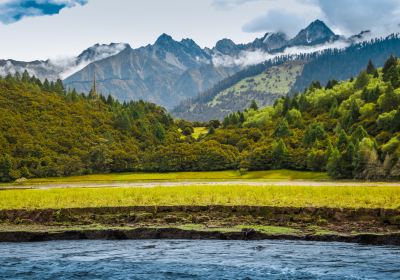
(168,71)
(316,33)
(341,65)
(61,68)
(45,132)
(350,129)
(265,88)
(164,73)
(320,66)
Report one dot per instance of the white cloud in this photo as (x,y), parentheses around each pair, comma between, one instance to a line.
(248,58)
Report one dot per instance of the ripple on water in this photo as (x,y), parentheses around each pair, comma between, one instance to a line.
(164,259)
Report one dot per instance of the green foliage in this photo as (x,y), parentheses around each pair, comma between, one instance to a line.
(351,129)
(282,129)
(362,80)
(279,155)
(314,132)
(209,155)
(371,70)
(298,131)
(46,131)
(253,105)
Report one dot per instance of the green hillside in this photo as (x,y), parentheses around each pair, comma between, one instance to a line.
(273,83)
(49,132)
(46,131)
(351,129)
(265,88)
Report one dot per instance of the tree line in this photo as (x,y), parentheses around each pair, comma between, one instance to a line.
(350,129)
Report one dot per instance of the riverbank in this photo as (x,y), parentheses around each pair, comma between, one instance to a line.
(366,226)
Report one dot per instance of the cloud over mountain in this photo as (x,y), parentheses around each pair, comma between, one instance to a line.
(348,16)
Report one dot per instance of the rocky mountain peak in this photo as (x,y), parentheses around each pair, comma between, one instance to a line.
(227,47)
(315,33)
(100,51)
(274,41)
(164,40)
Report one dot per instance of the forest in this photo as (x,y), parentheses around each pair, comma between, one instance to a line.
(349,129)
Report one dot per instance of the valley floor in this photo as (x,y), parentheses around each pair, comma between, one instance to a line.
(206,205)
(174,179)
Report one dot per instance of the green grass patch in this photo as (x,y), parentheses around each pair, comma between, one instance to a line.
(185,176)
(290,196)
(272,230)
(198,131)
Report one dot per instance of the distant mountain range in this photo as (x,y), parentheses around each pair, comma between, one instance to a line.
(268,81)
(168,71)
(61,68)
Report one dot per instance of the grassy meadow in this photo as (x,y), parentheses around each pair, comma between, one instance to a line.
(185,176)
(290,196)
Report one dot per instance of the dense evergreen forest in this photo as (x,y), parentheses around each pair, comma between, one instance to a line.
(351,129)
(343,64)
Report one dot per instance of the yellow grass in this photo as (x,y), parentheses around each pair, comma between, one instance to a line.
(339,197)
(187,176)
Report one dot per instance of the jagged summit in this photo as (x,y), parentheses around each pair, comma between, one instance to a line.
(164,39)
(274,41)
(100,51)
(315,33)
(227,47)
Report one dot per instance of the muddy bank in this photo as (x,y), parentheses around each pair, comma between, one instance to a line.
(203,222)
(174,233)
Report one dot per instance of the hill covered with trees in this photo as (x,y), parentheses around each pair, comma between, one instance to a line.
(47,131)
(350,129)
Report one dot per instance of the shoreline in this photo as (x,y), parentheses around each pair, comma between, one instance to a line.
(392,239)
(365,226)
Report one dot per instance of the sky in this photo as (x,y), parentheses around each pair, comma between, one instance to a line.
(41,29)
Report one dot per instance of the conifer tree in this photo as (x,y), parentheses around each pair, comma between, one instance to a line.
(254,105)
(280,154)
(342,140)
(282,129)
(371,69)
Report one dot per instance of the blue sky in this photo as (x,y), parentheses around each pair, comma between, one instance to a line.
(40,29)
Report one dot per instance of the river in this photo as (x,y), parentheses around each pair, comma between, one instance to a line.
(182,259)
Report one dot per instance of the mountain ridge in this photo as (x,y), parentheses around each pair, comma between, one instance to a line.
(169,71)
(320,66)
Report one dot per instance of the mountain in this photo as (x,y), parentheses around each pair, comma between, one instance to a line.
(349,129)
(314,34)
(273,41)
(165,73)
(266,82)
(60,68)
(169,71)
(100,51)
(360,37)
(275,82)
(334,64)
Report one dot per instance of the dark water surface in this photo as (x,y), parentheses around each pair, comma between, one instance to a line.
(166,259)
